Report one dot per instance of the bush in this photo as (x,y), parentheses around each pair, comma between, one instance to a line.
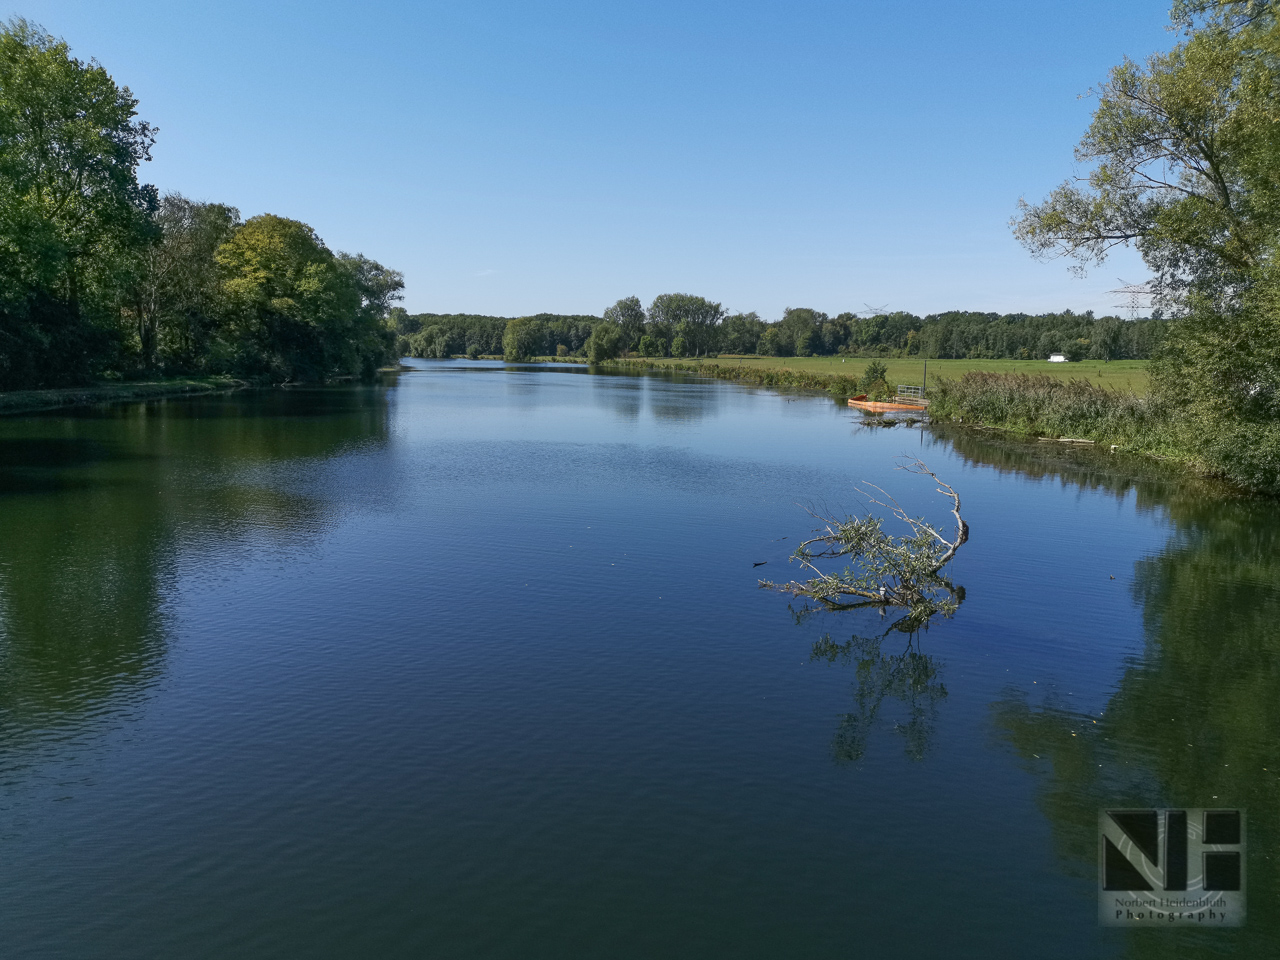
(679,347)
(875,371)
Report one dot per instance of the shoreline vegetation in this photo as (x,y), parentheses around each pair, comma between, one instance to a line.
(1033,408)
(105,280)
(35,401)
(16,402)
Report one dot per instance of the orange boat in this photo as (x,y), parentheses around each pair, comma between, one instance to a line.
(877,406)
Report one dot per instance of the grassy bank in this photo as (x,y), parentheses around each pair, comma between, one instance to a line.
(30,401)
(1047,407)
(1120,374)
(838,385)
(1243,452)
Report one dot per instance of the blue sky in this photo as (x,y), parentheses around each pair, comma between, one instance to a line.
(513,158)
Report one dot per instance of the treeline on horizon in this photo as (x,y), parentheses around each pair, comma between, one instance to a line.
(682,325)
(101,277)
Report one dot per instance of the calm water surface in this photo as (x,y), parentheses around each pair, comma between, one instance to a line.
(473,664)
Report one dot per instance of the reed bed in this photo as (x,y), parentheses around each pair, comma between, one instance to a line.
(1048,407)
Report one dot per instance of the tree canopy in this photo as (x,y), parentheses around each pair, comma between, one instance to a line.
(72,212)
(99,275)
(1186,149)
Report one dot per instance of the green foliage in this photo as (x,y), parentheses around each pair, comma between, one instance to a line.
(683,315)
(522,340)
(98,277)
(541,335)
(837,386)
(177,297)
(294,311)
(72,212)
(773,344)
(679,347)
(1219,377)
(433,335)
(629,316)
(605,342)
(652,346)
(740,333)
(1186,148)
(1047,406)
(875,372)
(798,331)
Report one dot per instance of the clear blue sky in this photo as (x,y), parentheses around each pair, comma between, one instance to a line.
(555,155)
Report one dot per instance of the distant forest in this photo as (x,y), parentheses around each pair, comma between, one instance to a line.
(684,325)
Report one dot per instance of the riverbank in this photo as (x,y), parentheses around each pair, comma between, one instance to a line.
(1045,407)
(1119,374)
(33,401)
(839,386)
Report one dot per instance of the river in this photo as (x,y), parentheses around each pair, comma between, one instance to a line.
(474,663)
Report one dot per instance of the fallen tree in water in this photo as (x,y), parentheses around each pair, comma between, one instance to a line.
(883,570)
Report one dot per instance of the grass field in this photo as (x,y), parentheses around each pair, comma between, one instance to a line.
(1124,374)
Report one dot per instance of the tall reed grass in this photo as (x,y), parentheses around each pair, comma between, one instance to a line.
(1049,407)
(840,387)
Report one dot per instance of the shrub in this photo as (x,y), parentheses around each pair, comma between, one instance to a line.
(875,371)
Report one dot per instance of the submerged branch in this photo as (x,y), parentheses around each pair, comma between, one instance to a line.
(883,570)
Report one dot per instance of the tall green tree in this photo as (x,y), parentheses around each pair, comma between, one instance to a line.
(294,310)
(799,329)
(740,333)
(1187,149)
(177,296)
(72,212)
(374,331)
(630,318)
(605,341)
(696,319)
(1184,149)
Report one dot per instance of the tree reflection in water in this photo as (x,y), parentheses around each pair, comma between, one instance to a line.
(96,508)
(1195,722)
(906,677)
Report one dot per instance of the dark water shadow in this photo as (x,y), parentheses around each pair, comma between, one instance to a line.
(87,568)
